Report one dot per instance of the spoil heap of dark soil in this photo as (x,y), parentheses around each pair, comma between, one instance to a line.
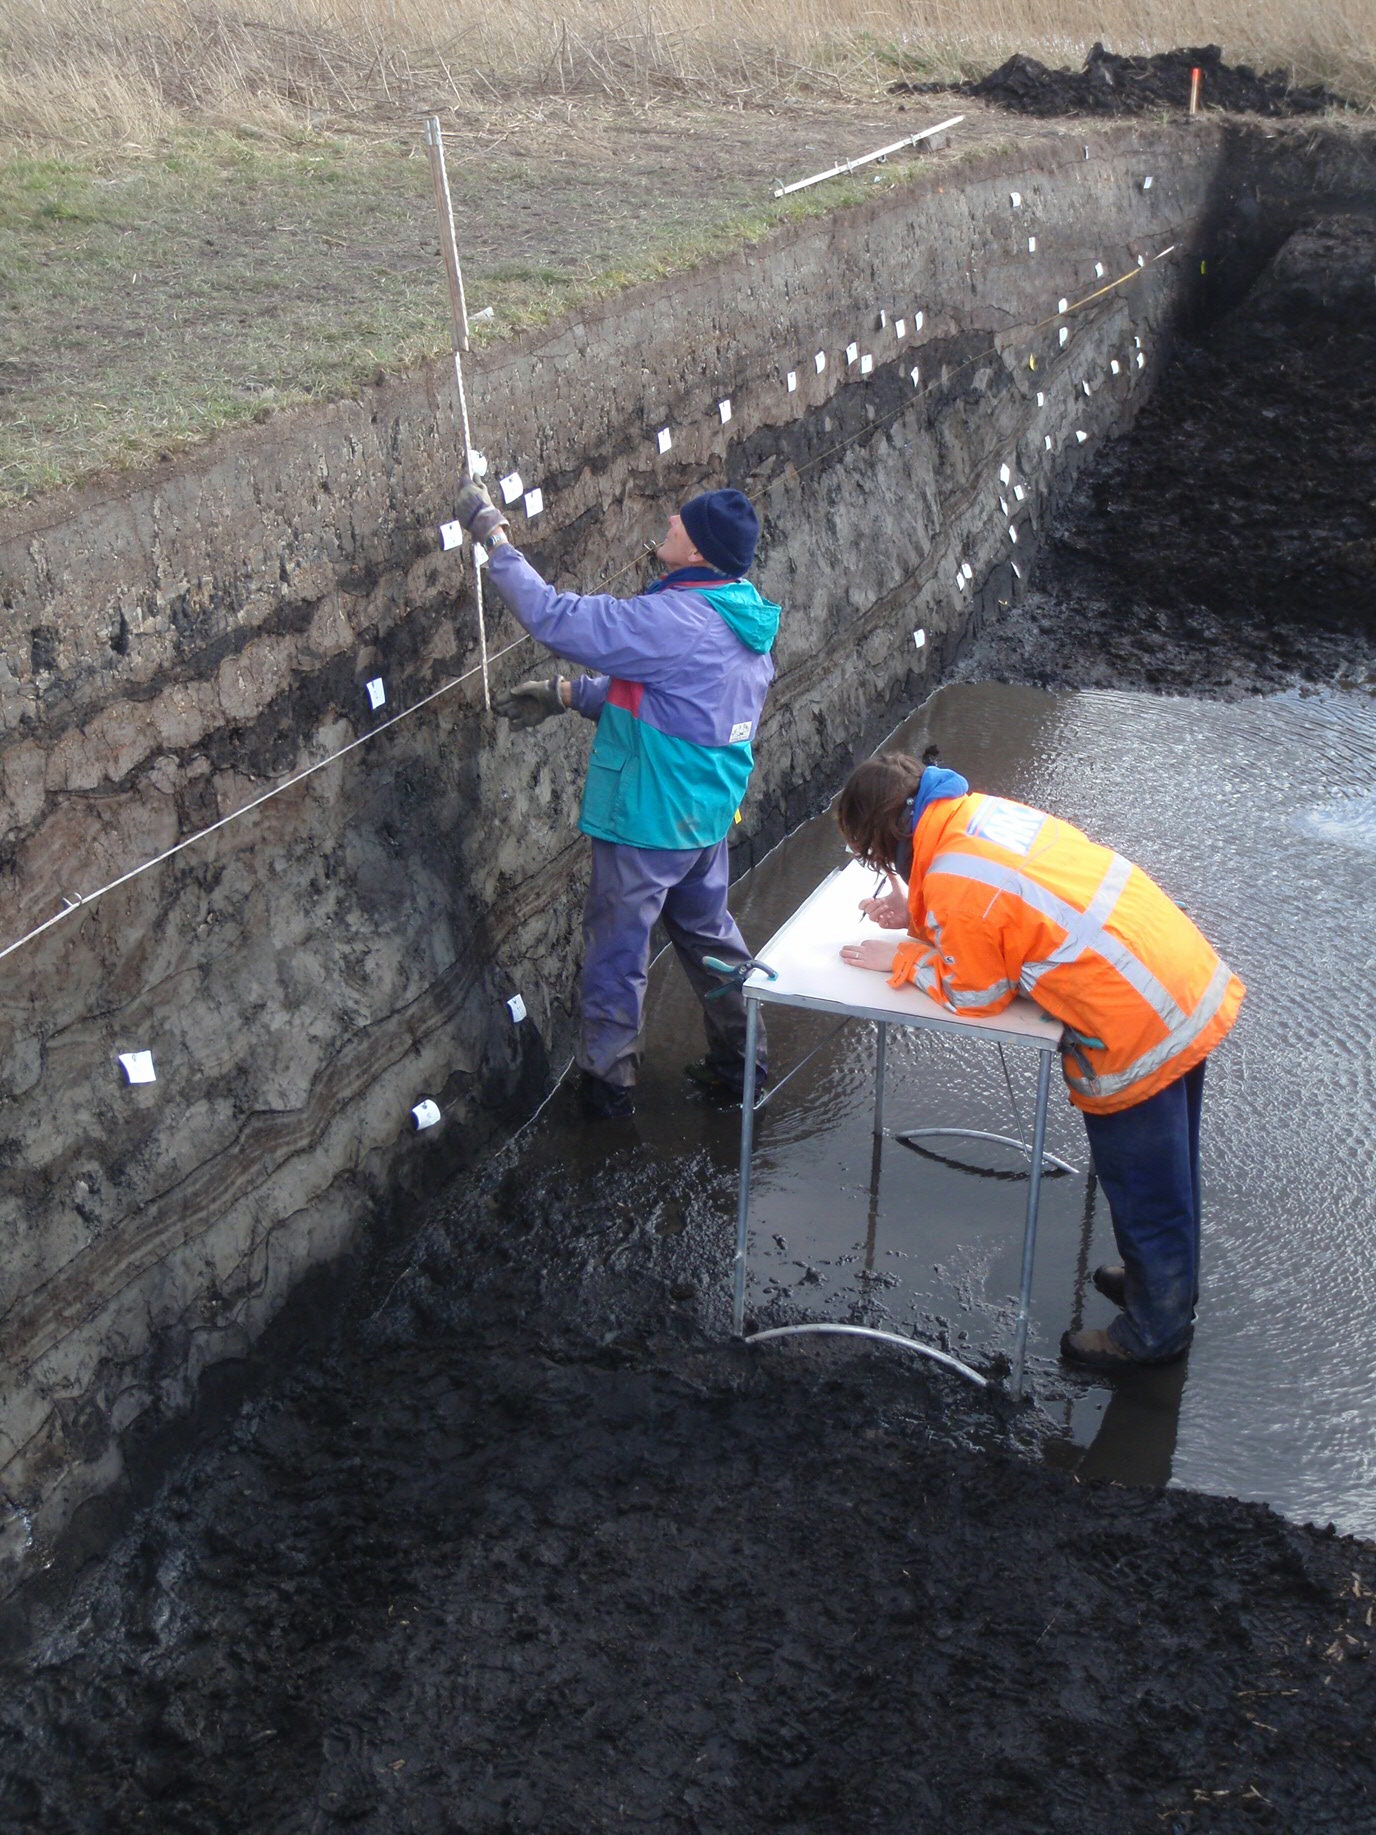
(481,1572)
(1112,85)
(1227,544)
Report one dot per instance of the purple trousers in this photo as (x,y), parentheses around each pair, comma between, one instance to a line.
(630,888)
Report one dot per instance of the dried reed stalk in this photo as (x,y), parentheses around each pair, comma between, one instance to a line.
(75,71)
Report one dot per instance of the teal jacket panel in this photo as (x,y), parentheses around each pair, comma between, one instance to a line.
(646,788)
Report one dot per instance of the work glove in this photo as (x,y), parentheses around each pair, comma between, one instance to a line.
(476,510)
(531,702)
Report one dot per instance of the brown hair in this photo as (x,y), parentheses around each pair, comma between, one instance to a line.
(869,810)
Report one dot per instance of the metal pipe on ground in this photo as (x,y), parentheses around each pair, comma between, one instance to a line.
(851,165)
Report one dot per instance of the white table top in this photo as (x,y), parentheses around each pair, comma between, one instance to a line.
(806,955)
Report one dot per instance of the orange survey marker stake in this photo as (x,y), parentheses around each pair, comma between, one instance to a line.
(1196,77)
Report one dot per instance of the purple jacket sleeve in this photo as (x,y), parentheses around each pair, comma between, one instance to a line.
(633,638)
(587,694)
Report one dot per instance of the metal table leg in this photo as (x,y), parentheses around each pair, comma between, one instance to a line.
(1029,1235)
(752,1026)
(881,1055)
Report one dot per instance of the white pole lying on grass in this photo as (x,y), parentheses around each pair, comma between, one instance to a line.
(458,314)
(782,191)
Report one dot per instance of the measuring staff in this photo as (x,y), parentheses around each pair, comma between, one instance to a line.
(685,669)
(1003,898)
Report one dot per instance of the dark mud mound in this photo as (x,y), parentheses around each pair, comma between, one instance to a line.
(1227,544)
(1112,85)
(482,1573)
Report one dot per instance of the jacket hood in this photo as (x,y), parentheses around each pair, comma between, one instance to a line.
(937,782)
(753,619)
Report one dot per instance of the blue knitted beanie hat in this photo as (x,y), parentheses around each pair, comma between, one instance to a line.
(724,529)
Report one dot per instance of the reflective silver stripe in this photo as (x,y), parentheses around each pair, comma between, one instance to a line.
(1180,1040)
(926,978)
(1100,907)
(1097,911)
(1080,934)
(981,997)
(1032,972)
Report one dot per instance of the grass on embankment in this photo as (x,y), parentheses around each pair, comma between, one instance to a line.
(210,212)
(150,304)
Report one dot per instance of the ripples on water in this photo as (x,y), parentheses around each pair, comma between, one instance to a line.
(1351,822)
(1260,819)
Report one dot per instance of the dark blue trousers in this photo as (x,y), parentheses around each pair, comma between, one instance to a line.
(1146,1159)
(631,887)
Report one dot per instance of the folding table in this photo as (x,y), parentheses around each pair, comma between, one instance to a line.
(804,957)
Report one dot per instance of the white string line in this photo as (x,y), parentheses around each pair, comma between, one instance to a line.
(458,308)
(79,901)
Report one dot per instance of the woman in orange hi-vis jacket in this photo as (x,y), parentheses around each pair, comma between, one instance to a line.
(1004,899)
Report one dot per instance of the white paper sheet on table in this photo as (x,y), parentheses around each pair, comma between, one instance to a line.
(806,956)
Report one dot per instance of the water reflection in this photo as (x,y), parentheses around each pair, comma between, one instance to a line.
(1254,816)
(1135,1440)
(1135,1444)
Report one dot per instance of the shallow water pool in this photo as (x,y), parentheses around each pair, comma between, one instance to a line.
(1257,817)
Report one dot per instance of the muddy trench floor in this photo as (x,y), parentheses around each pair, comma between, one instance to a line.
(485,1571)
(532,1547)
(1226,546)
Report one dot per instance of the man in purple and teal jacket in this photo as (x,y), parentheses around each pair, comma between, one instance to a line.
(685,669)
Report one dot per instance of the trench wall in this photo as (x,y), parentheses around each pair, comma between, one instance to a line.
(173,645)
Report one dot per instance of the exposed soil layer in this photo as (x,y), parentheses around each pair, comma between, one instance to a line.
(1227,544)
(529,1550)
(479,1572)
(1113,85)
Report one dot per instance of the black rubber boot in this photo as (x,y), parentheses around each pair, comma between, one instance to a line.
(1111,1282)
(603,1101)
(722,1085)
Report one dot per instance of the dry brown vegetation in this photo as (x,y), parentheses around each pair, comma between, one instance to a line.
(90,72)
(212,210)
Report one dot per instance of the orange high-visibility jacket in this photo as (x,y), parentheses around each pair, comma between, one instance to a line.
(1005,899)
